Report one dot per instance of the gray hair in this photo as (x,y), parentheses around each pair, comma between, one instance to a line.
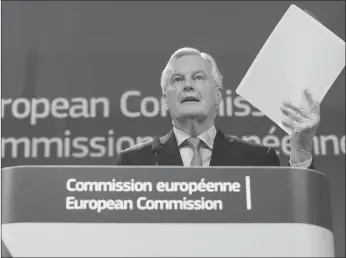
(186,51)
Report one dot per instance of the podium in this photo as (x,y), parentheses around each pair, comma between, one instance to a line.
(116,211)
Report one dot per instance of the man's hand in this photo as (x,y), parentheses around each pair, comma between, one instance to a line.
(304,123)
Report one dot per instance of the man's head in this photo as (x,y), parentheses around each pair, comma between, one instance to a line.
(192,86)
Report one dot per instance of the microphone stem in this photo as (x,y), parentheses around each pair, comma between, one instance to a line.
(157,159)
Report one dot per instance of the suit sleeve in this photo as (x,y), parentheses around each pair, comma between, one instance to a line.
(311,166)
(272,158)
(121,159)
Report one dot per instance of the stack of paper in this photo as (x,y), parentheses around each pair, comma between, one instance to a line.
(300,53)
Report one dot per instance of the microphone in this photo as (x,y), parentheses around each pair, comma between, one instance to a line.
(155,147)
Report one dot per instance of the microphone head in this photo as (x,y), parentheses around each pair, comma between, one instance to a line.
(156,144)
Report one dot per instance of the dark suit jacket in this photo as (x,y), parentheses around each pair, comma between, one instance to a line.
(227,151)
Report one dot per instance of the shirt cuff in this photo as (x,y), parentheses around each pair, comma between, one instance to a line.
(305,164)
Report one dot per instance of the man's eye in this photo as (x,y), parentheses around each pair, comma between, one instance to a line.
(199,77)
(177,79)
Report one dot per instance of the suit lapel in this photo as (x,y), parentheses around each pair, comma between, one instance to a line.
(169,152)
(223,151)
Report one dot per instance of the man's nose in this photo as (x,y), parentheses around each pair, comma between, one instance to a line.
(188,86)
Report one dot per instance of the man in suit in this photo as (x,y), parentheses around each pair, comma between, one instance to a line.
(192,89)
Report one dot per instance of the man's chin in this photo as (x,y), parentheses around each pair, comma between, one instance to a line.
(192,115)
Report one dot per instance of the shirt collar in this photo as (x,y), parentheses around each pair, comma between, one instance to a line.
(207,136)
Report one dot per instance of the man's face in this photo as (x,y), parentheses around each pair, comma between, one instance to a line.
(190,91)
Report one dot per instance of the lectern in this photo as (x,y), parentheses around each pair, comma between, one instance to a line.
(115,211)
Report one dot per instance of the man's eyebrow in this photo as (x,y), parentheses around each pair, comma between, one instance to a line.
(199,71)
(194,73)
(176,74)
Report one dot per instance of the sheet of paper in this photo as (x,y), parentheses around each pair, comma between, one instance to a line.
(300,53)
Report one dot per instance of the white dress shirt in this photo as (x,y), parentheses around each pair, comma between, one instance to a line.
(186,152)
(207,137)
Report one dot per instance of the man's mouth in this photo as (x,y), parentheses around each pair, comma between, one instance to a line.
(190,99)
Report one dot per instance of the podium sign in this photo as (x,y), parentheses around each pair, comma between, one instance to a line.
(115,211)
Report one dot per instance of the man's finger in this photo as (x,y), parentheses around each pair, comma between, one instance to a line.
(293,125)
(294,113)
(288,123)
(309,98)
(296,109)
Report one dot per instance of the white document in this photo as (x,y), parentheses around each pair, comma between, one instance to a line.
(300,53)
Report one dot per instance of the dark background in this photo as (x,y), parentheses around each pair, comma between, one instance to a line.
(102,49)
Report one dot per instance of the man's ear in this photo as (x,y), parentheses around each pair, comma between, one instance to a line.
(218,96)
(165,100)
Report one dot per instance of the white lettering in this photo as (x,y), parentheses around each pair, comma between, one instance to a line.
(104,102)
(144,107)
(68,184)
(15,108)
(252,138)
(241,103)
(99,205)
(4,103)
(47,146)
(333,139)
(123,103)
(59,104)
(35,105)
(80,108)
(342,144)
(14,144)
(184,204)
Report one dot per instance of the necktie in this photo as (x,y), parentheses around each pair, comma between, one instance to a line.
(195,144)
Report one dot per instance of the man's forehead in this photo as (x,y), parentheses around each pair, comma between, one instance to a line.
(191,63)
